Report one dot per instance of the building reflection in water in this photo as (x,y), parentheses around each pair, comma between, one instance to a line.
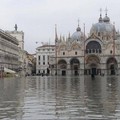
(101,95)
(54,98)
(11,98)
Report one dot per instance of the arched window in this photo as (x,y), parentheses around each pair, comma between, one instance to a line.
(93,47)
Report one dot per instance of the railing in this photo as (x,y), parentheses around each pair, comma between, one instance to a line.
(91,51)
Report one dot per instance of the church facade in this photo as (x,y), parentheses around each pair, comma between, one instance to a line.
(97,54)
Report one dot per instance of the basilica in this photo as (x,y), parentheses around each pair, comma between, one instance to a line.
(98,53)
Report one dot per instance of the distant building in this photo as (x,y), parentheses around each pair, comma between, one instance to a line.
(9,52)
(99,53)
(19,35)
(43,55)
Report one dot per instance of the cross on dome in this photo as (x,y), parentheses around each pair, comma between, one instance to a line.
(100,19)
(100,11)
(78,22)
(78,28)
(106,10)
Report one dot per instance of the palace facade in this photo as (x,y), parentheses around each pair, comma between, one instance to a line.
(97,54)
(9,52)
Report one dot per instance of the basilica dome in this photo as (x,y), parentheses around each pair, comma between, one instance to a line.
(77,36)
(103,26)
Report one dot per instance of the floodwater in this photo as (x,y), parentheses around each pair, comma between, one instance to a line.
(60,98)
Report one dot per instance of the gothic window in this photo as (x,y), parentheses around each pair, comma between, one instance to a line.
(75,53)
(63,53)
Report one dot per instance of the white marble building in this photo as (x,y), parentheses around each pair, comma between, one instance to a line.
(99,53)
(43,55)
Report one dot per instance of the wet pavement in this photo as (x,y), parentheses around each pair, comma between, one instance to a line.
(60,98)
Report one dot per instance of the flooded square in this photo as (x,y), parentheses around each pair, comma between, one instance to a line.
(60,98)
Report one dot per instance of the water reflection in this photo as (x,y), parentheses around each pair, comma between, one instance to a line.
(11,98)
(60,98)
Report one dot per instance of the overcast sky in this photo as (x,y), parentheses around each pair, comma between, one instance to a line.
(37,18)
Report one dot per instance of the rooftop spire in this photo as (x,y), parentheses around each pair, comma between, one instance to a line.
(106,10)
(78,22)
(100,11)
(16,27)
(69,35)
(78,28)
(106,18)
(56,37)
(100,19)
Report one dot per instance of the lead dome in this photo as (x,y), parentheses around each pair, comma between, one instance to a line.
(103,26)
(77,36)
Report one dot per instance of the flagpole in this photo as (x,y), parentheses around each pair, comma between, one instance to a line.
(84,48)
(56,39)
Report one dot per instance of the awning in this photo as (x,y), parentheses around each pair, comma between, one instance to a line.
(8,70)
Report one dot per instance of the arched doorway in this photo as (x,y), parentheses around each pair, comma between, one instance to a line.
(75,65)
(62,65)
(112,66)
(92,65)
(93,68)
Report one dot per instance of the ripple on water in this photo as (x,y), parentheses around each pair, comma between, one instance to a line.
(60,98)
